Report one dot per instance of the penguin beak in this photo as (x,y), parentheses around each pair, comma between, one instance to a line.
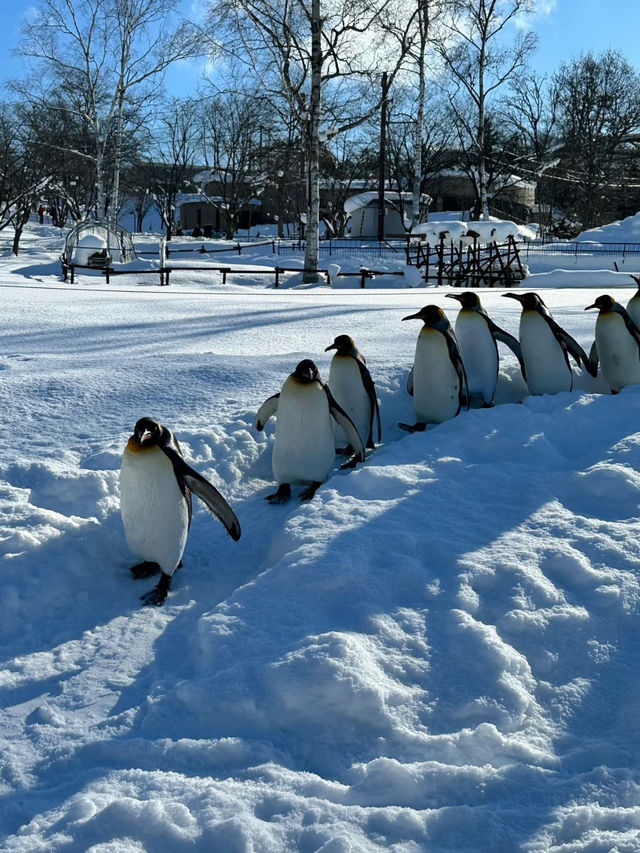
(591,306)
(145,435)
(417,316)
(333,346)
(516,296)
(457,296)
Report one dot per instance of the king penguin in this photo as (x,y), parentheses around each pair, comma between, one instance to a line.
(633,305)
(155,503)
(546,348)
(352,387)
(437,381)
(617,344)
(477,337)
(304,447)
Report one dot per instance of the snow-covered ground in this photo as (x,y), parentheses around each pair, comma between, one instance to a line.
(438,653)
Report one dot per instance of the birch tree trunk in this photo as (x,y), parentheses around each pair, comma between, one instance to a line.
(313,201)
(423,24)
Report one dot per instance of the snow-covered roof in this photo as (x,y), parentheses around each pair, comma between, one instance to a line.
(356,202)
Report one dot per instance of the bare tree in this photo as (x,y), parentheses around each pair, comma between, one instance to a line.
(309,60)
(481,58)
(24,172)
(598,109)
(95,58)
(172,156)
(435,150)
(419,38)
(234,130)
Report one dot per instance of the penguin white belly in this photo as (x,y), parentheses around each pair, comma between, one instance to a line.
(617,351)
(345,383)
(544,361)
(479,355)
(435,380)
(154,510)
(633,308)
(304,447)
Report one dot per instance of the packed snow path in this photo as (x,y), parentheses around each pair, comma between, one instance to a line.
(438,653)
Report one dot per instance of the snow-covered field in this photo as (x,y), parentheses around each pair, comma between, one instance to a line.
(438,653)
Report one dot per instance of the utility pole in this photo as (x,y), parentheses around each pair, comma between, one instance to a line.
(382,156)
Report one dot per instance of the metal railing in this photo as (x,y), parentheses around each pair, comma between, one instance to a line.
(578,248)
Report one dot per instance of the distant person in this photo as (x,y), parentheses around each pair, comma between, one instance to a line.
(178,229)
(41,214)
(196,232)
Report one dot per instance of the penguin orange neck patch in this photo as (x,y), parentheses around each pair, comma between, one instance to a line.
(134,446)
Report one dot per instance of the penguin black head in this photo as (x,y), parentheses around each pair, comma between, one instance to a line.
(147,432)
(467,299)
(431,315)
(529,301)
(343,344)
(306,371)
(603,303)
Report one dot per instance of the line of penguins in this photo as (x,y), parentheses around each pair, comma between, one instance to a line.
(451,370)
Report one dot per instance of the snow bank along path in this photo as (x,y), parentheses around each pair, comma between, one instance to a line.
(438,653)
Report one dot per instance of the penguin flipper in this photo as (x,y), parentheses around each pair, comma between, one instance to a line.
(210,496)
(594,358)
(266,410)
(633,330)
(410,383)
(571,346)
(369,387)
(507,339)
(456,360)
(342,418)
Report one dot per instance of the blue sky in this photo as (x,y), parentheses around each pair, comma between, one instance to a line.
(565,28)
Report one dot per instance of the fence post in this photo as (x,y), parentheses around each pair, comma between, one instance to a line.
(363,274)
(277,281)
(239,247)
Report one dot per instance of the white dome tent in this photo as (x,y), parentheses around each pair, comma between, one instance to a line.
(96,244)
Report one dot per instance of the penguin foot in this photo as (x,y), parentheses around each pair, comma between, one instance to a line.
(344,451)
(310,492)
(350,463)
(281,496)
(158,594)
(144,570)
(417,427)
(487,405)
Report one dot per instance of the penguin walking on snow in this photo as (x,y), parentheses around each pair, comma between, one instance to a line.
(437,381)
(304,447)
(477,337)
(617,344)
(352,387)
(546,347)
(155,503)
(633,305)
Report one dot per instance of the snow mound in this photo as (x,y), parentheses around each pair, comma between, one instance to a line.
(622,231)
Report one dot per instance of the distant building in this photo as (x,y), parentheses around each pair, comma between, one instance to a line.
(207,208)
(452,189)
(363,210)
